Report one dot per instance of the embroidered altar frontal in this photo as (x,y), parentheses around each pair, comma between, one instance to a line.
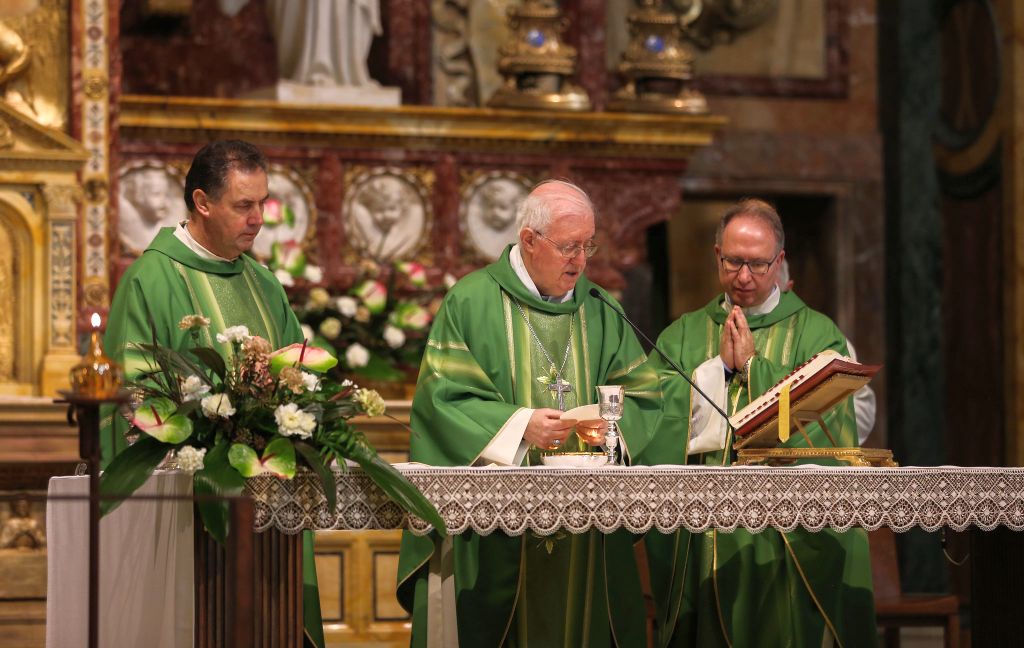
(665,498)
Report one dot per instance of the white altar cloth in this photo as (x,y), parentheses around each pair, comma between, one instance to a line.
(146,567)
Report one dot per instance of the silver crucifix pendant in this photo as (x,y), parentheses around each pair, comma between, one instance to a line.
(561,388)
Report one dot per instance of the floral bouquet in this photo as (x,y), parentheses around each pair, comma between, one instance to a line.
(261,411)
(379,327)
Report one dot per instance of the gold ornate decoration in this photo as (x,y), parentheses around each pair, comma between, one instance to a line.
(8,295)
(6,136)
(96,86)
(93,30)
(536,64)
(417,128)
(877,457)
(34,62)
(63,198)
(657,66)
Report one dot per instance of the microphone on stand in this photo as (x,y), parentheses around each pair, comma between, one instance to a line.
(594,292)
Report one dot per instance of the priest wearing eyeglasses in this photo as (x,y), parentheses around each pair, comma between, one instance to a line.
(513,346)
(742,588)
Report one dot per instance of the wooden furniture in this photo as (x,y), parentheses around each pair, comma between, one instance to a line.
(894,609)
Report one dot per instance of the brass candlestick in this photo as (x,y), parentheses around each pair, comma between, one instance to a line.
(96,377)
(657,66)
(536,64)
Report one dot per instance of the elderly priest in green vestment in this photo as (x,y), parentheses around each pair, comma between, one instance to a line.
(742,588)
(514,345)
(200,268)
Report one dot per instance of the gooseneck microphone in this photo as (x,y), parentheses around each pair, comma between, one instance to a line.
(594,292)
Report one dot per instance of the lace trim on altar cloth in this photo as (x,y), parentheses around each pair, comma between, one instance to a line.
(666,498)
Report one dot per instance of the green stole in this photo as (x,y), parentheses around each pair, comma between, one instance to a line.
(481,365)
(170,281)
(768,588)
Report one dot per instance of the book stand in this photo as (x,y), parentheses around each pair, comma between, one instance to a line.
(798,418)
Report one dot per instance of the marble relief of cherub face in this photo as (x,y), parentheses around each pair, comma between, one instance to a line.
(499,201)
(385,200)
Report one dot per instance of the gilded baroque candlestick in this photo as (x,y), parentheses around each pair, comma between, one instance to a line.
(657,66)
(536,64)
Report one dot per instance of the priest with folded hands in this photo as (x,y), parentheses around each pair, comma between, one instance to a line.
(514,345)
(741,588)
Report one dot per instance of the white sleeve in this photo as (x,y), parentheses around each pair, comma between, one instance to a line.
(707,426)
(864,406)
(508,448)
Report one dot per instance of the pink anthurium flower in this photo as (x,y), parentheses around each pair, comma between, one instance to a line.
(374,295)
(288,256)
(412,316)
(156,417)
(276,212)
(278,459)
(416,272)
(303,355)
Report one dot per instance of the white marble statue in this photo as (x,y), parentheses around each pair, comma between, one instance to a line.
(322,47)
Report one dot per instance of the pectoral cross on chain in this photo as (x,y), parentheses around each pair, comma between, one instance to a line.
(561,388)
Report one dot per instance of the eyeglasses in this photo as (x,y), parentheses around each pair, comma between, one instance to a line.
(756,267)
(570,250)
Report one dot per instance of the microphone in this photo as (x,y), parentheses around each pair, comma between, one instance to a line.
(594,292)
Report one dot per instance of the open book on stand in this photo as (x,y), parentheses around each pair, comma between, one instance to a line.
(815,387)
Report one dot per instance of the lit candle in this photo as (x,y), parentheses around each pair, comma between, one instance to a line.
(96,376)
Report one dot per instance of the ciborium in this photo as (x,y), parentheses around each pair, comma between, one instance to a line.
(657,66)
(536,64)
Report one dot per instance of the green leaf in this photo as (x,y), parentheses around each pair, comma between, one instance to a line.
(217,478)
(278,459)
(129,470)
(397,487)
(312,458)
(211,359)
(289,216)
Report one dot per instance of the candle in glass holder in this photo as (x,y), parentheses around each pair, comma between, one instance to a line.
(96,376)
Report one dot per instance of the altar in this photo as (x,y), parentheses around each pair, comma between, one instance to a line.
(514,501)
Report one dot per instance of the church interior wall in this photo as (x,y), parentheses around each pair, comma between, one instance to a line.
(810,137)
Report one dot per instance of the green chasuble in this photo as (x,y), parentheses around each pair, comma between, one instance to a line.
(767,588)
(481,365)
(170,281)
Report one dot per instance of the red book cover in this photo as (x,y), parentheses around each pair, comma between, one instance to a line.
(815,386)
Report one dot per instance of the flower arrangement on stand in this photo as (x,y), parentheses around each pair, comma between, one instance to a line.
(378,328)
(259,411)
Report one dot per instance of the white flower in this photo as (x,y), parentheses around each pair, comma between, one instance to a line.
(234,334)
(319,299)
(191,459)
(371,401)
(291,421)
(347,306)
(349,383)
(190,322)
(310,381)
(284,277)
(217,405)
(307,333)
(357,356)
(394,336)
(192,388)
(313,274)
(330,328)
(449,280)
